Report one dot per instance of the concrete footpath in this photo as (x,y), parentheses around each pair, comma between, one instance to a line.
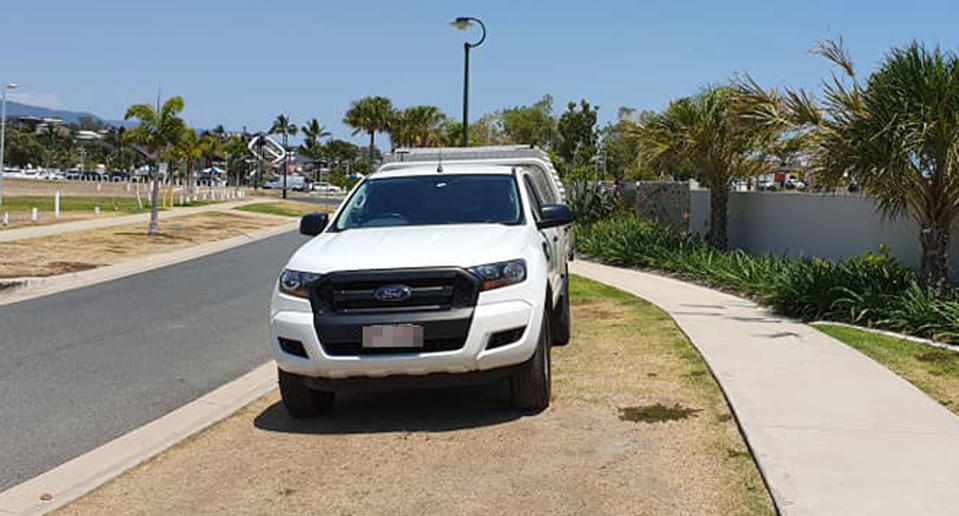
(833,431)
(8,235)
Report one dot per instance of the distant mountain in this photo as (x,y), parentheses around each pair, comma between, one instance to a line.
(15,109)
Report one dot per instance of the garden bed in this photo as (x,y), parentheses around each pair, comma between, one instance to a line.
(873,289)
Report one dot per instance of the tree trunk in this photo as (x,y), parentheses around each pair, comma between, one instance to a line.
(371,150)
(935,247)
(154,206)
(718,200)
(190,178)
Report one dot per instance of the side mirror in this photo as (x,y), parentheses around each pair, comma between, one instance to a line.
(553,215)
(312,224)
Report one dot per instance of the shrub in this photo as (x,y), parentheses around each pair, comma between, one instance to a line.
(593,202)
(872,289)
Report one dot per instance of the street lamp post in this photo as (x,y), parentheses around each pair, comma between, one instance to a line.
(259,157)
(3,130)
(463,23)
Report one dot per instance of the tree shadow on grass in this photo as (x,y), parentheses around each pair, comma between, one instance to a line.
(420,410)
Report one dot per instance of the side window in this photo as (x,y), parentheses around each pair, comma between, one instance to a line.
(535,202)
(544,187)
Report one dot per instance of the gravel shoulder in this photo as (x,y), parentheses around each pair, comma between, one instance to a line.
(637,426)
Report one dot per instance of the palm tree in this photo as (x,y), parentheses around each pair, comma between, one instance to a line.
(370,114)
(158,129)
(235,149)
(417,126)
(313,131)
(312,147)
(704,136)
(189,149)
(282,125)
(897,135)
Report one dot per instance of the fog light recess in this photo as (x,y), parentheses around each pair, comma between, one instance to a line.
(505,337)
(293,347)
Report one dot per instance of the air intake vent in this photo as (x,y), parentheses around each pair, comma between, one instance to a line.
(503,338)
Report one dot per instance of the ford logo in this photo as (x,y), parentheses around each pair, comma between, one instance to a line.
(393,293)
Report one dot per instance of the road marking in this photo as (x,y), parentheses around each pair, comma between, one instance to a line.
(73,479)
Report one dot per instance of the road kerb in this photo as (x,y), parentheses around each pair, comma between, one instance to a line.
(73,479)
(31,288)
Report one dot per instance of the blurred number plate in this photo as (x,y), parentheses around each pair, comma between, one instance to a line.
(393,336)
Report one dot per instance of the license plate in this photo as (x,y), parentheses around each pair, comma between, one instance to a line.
(393,336)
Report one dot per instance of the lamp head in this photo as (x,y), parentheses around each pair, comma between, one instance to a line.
(11,86)
(461,23)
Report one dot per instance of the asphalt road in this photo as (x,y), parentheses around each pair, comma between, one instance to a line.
(85,366)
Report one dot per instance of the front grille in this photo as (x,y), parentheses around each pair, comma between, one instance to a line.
(429,290)
(440,300)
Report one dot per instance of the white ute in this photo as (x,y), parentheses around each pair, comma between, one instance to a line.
(446,266)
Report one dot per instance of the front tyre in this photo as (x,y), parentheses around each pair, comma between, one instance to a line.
(300,400)
(531,383)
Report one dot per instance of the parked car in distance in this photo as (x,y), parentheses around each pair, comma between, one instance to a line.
(324,187)
(430,274)
(295,183)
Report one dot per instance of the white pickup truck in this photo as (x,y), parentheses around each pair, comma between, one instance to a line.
(446,266)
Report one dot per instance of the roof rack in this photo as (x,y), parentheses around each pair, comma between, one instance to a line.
(406,155)
(508,155)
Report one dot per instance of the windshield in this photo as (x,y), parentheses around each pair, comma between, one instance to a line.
(439,199)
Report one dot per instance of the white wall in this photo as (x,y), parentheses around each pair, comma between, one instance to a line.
(830,226)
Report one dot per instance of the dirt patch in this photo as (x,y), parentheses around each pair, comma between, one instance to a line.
(657,413)
(66,267)
(936,356)
(464,451)
(83,250)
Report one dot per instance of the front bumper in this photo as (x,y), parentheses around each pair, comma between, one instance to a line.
(293,319)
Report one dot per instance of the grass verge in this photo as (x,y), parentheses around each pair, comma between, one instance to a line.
(935,371)
(45,203)
(636,426)
(283,208)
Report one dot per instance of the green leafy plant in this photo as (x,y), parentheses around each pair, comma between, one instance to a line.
(872,289)
(591,202)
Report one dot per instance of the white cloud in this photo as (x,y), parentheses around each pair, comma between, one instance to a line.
(47,100)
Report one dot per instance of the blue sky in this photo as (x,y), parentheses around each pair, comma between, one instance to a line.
(240,63)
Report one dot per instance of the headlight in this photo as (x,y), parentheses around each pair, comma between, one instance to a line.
(296,283)
(496,275)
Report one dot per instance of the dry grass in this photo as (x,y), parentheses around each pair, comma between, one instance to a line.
(30,187)
(78,199)
(82,250)
(637,426)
